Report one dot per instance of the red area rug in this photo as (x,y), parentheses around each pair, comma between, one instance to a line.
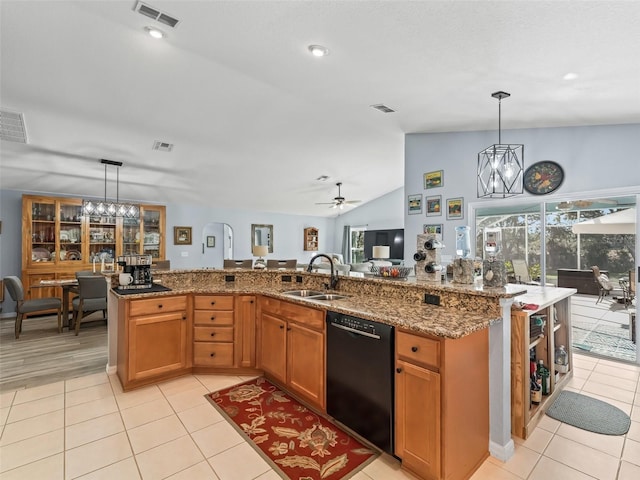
(298,443)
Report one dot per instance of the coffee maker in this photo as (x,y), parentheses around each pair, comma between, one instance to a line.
(139,267)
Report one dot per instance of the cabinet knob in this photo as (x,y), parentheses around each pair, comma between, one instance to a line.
(159,305)
(213,334)
(184,316)
(250,301)
(414,349)
(213,354)
(213,317)
(288,329)
(399,370)
(213,302)
(281,327)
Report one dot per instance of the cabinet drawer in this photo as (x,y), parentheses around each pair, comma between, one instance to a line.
(213,334)
(212,317)
(306,316)
(294,312)
(213,354)
(417,349)
(159,304)
(213,302)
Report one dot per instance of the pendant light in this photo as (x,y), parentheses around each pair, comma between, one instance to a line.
(110,209)
(500,166)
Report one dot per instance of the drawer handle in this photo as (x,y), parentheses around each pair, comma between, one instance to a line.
(212,354)
(414,349)
(399,370)
(213,317)
(159,305)
(213,334)
(213,302)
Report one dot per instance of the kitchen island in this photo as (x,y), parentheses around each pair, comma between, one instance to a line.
(441,350)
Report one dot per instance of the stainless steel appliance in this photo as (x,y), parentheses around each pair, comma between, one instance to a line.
(360,379)
(139,267)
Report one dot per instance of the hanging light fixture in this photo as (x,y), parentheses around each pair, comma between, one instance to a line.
(500,166)
(110,209)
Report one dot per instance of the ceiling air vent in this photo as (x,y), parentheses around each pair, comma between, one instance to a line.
(151,12)
(383,108)
(12,127)
(162,146)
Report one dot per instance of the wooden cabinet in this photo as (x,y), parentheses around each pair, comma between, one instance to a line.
(555,308)
(442,404)
(291,347)
(310,241)
(153,339)
(57,240)
(213,331)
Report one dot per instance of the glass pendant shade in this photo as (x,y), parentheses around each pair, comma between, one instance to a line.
(98,208)
(500,166)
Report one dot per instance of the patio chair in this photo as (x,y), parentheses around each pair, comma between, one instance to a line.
(521,272)
(602,281)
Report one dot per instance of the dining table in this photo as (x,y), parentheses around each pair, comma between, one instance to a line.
(68,285)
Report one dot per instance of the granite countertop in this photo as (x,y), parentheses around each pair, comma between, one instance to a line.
(430,319)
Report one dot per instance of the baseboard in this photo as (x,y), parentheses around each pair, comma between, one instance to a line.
(502,452)
(111,369)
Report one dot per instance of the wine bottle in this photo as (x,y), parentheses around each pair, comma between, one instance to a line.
(419,256)
(543,373)
(432,267)
(432,244)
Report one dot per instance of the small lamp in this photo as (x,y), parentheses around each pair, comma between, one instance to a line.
(380,252)
(260,251)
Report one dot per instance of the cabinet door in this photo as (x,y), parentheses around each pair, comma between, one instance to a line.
(157,344)
(245,325)
(32,290)
(131,241)
(305,363)
(70,235)
(273,346)
(418,419)
(153,226)
(39,231)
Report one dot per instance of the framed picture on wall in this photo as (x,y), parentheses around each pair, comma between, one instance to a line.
(434,179)
(434,205)
(415,204)
(182,235)
(211,241)
(455,208)
(432,228)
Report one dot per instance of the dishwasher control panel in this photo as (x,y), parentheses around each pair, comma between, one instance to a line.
(367,326)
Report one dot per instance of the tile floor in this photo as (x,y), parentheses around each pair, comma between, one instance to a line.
(89,428)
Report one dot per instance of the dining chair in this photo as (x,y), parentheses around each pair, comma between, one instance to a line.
(92,297)
(35,305)
(245,264)
(289,264)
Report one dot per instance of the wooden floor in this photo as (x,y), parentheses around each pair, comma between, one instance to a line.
(41,355)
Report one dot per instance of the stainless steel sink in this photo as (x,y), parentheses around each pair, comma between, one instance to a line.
(328,296)
(304,293)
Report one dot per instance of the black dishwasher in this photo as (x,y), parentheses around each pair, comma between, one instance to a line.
(360,380)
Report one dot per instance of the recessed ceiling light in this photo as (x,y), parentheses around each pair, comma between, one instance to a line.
(318,50)
(570,76)
(154,32)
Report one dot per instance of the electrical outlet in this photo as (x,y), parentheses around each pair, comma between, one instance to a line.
(432,299)
(286,278)
(229,278)
(298,278)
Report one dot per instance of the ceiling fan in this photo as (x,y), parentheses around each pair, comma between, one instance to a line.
(339,201)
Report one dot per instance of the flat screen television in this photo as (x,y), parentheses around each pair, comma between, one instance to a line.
(393,238)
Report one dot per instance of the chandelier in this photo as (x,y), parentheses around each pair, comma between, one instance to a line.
(500,166)
(107,208)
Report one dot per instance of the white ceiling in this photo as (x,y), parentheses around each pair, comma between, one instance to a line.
(255,119)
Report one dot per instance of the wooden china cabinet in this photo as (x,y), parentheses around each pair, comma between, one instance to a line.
(57,240)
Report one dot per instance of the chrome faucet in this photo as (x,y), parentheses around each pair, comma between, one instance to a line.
(334,274)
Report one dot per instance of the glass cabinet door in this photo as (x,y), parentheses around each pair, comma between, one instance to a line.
(102,239)
(43,231)
(70,234)
(152,233)
(130,236)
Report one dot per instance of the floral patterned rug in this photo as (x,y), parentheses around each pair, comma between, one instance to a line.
(298,443)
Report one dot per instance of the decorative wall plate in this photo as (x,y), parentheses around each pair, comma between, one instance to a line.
(543,177)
